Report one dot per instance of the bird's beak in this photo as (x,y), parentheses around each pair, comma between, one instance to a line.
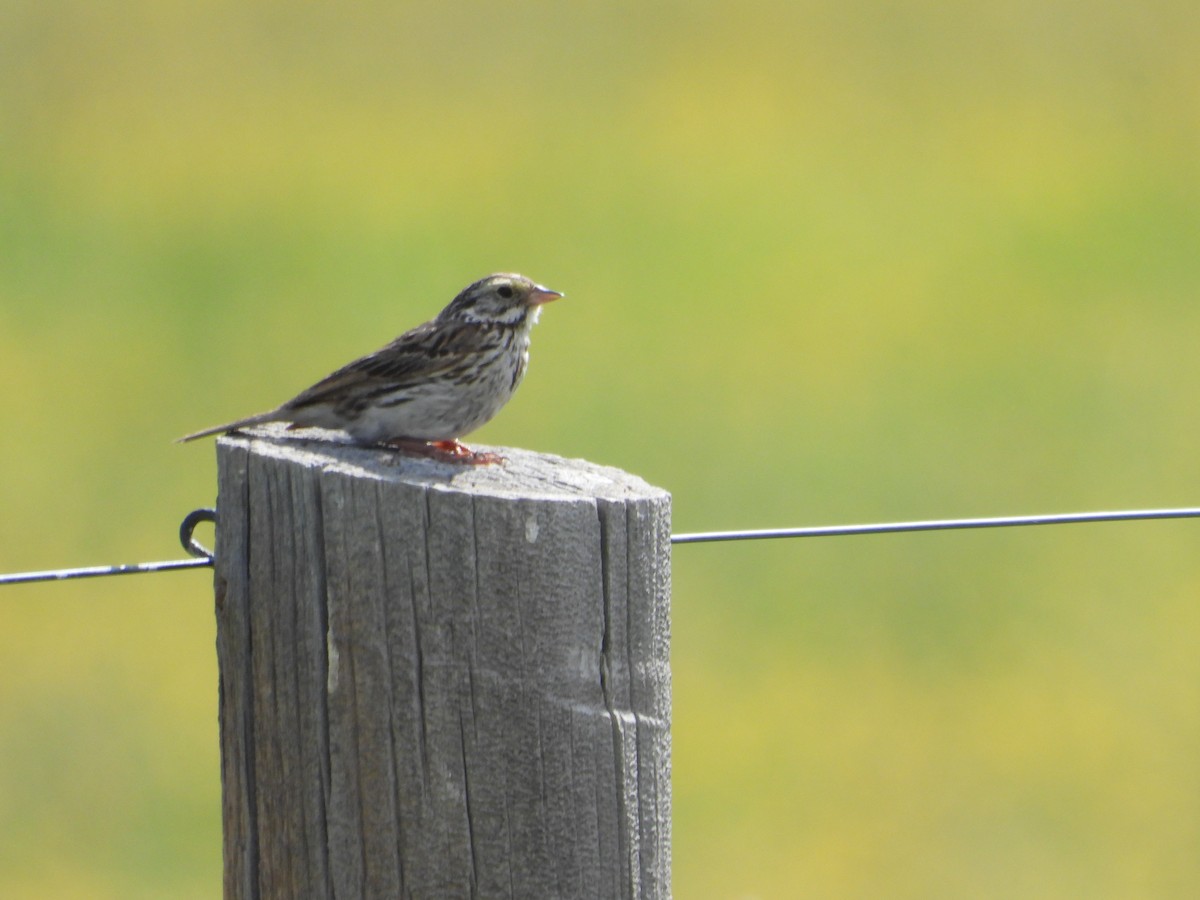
(541,294)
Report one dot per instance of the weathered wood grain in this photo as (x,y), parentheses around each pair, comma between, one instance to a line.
(441,681)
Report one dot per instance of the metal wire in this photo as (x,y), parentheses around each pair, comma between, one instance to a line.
(186,533)
(936,525)
(203,557)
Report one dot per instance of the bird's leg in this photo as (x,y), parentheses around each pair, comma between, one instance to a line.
(445,451)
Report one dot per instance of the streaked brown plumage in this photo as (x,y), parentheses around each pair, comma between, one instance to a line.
(434,383)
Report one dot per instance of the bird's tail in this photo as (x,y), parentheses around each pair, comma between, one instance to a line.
(269,416)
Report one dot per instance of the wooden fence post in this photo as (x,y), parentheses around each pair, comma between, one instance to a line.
(440,681)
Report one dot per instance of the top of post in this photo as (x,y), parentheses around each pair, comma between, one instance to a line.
(523,473)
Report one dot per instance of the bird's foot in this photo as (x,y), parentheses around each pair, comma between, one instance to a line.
(460,452)
(445,451)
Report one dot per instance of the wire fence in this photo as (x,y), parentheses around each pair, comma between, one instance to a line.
(201,557)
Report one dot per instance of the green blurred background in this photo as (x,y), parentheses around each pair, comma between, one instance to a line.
(826,262)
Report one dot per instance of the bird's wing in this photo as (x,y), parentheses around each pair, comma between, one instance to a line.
(427,351)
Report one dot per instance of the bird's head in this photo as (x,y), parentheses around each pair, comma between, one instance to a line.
(501,299)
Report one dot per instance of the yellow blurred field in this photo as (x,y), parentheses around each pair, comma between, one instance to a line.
(825,262)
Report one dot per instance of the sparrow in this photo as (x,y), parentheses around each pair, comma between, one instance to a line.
(434,383)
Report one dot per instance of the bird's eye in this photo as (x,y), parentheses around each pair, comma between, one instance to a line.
(505,291)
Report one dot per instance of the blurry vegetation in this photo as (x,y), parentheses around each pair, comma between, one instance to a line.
(825,262)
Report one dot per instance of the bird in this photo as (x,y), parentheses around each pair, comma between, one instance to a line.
(433,384)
